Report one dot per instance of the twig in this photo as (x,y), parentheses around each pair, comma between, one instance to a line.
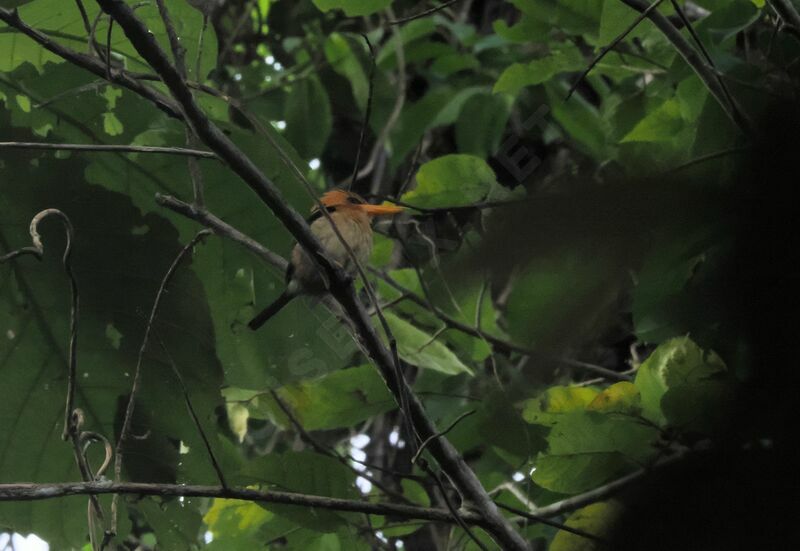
(610,46)
(222,228)
(126,423)
(421,14)
(491,339)
(605,491)
(178,51)
(109,148)
(195,419)
(37,250)
(690,55)
(788,13)
(246,14)
(688,24)
(73,418)
(542,520)
(440,433)
(85,18)
(394,116)
(450,507)
(367,113)
(708,157)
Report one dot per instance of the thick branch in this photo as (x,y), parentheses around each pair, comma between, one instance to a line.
(109,148)
(340,286)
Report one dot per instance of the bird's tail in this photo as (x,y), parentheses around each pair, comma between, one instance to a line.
(272,309)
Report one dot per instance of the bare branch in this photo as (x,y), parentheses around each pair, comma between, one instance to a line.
(195,419)
(421,14)
(34,492)
(611,45)
(126,423)
(109,148)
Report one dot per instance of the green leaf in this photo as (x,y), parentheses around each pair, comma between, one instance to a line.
(308,117)
(481,124)
(562,58)
(353,8)
(417,348)
(449,181)
(587,448)
(118,269)
(336,400)
(596,519)
(308,473)
(659,125)
(676,363)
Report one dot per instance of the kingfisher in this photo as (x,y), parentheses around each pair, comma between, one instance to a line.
(353,217)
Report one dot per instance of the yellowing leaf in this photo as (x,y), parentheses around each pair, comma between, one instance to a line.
(546,408)
(595,519)
(620,397)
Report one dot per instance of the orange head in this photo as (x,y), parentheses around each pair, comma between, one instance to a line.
(341,199)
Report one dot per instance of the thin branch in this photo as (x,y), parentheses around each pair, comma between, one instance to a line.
(73,418)
(224,229)
(709,157)
(439,434)
(109,148)
(126,423)
(425,13)
(368,111)
(688,24)
(37,250)
(564,527)
(788,13)
(330,452)
(491,339)
(611,45)
(35,492)
(690,55)
(602,492)
(178,51)
(394,116)
(213,458)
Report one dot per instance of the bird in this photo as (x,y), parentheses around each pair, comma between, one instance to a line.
(353,217)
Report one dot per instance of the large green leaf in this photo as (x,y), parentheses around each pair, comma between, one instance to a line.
(451,181)
(595,519)
(119,259)
(308,473)
(684,387)
(422,349)
(339,399)
(562,58)
(63,22)
(308,117)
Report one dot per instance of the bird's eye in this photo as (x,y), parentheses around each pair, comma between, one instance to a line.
(354,200)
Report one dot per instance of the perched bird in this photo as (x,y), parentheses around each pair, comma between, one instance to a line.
(352,216)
